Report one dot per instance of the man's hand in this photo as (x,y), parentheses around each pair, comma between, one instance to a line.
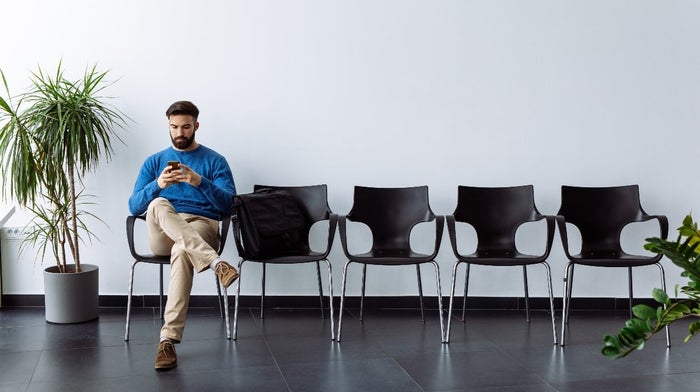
(183,174)
(189,176)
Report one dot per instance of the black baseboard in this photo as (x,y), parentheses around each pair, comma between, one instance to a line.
(300,302)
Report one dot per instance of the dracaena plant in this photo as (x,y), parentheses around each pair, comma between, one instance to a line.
(685,253)
(51,136)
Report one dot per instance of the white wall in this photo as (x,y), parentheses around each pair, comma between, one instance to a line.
(387,93)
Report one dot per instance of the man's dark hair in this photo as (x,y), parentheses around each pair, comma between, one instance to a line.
(183,107)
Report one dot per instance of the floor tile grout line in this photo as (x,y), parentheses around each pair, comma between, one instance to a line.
(43,351)
(406,372)
(274,358)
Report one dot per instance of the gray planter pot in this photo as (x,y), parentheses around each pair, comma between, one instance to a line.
(71,297)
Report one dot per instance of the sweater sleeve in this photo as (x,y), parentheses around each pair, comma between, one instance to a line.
(220,188)
(145,190)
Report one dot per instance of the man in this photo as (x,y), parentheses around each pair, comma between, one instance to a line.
(184,190)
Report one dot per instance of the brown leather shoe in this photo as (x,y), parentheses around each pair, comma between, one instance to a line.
(226,273)
(166,357)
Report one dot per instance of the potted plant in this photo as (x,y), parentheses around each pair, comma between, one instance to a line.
(685,253)
(51,136)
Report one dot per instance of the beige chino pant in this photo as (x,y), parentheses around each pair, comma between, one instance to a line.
(190,240)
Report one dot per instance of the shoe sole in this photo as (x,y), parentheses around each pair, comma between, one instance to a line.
(165,367)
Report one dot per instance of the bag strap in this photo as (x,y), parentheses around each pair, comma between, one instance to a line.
(237,228)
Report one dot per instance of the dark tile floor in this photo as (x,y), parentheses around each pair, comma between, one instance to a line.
(291,350)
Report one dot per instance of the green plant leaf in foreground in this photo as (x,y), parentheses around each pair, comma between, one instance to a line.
(685,253)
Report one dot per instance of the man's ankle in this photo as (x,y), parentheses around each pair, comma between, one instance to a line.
(215,262)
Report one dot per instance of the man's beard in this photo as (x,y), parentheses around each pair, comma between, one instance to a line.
(182,142)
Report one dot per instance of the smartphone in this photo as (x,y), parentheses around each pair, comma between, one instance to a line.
(174,165)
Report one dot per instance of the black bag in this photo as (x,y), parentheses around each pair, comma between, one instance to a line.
(270,224)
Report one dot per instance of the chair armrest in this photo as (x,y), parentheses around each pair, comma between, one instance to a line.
(551,223)
(663,225)
(332,225)
(342,231)
(452,232)
(130,222)
(561,223)
(439,228)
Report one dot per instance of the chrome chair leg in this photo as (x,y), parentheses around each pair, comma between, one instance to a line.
(262,294)
(551,300)
(238,294)
(420,293)
(330,297)
(439,297)
(452,298)
(466,289)
(219,299)
(362,295)
(629,283)
(568,276)
(160,299)
(342,302)
(570,291)
(320,288)
(527,295)
(663,286)
(128,301)
(228,321)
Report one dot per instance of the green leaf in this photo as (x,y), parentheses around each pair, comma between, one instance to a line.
(681,307)
(630,336)
(5,106)
(659,313)
(611,341)
(694,327)
(688,220)
(612,352)
(660,296)
(645,312)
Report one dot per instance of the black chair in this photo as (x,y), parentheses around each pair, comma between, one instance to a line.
(600,214)
(165,260)
(391,214)
(496,214)
(314,202)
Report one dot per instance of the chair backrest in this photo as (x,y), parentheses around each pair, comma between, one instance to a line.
(600,214)
(312,198)
(496,214)
(391,214)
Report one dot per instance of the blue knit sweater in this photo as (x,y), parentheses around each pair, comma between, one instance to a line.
(213,197)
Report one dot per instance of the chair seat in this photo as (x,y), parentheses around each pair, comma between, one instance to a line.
(391,257)
(613,259)
(502,258)
(307,257)
(154,259)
